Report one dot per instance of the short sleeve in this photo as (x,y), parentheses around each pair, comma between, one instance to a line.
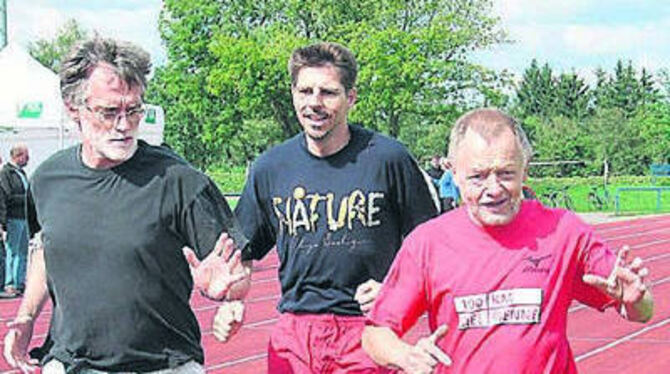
(595,257)
(402,298)
(414,200)
(206,218)
(254,220)
(31,214)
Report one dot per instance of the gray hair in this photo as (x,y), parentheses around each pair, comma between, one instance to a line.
(130,62)
(17,149)
(489,123)
(320,54)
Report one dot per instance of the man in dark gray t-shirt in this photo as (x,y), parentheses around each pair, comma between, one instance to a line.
(114,214)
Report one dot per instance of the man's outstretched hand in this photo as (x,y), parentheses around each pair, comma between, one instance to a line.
(219,271)
(626,284)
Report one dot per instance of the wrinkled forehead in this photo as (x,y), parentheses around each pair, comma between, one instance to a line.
(106,84)
(495,148)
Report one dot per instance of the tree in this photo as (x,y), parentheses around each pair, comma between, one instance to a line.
(558,138)
(50,52)
(653,124)
(229,57)
(624,90)
(614,137)
(572,97)
(536,92)
(540,93)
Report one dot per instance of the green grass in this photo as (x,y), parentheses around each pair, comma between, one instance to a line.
(631,202)
(231,181)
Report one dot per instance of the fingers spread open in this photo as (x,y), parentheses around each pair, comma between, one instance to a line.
(191,258)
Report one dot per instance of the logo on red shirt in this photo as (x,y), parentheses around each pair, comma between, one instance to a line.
(535,264)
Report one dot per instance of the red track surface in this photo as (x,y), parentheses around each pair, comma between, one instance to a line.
(602,342)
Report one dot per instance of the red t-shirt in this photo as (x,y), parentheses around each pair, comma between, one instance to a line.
(503,291)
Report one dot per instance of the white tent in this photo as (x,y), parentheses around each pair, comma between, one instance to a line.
(31,109)
(30,93)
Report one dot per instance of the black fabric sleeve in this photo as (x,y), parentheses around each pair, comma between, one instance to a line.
(413,196)
(31,214)
(206,218)
(5,193)
(254,220)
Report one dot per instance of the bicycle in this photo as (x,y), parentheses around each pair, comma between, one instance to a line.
(558,198)
(598,201)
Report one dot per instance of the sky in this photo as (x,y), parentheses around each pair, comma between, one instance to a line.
(570,35)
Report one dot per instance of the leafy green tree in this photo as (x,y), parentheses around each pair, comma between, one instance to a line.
(50,52)
(614,137)
(229,59)
(653,124)
(559,139)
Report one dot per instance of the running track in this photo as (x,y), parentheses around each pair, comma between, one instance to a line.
(601,342)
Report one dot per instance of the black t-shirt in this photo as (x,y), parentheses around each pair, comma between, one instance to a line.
(337,221)
(117,277)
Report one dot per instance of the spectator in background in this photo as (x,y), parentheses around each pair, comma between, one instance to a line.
(435,169)
(449,193)
(13,187)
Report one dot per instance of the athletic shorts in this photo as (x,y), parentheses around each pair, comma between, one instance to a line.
(319,343)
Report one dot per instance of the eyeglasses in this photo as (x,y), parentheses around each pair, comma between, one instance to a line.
(111,116)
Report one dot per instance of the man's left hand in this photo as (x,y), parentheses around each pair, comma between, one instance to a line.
(219,271)
(366,293)
(626,281)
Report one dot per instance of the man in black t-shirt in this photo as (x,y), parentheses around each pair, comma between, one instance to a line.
(114,214)
(336,200)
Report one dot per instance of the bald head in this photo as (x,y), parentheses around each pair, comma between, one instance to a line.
(489,123)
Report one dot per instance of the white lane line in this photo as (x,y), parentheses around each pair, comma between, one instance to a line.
(636,234)
(627,225)
(237,361)
(652,284)
(622,339)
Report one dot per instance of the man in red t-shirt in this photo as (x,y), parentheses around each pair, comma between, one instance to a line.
(497,276)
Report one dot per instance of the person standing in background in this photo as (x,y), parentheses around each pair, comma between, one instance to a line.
(13,187)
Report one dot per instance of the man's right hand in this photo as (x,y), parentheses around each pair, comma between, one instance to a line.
(228,320)
(16,344)
(423,357)
(215,275)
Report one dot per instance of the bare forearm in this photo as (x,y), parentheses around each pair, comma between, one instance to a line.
(640,311)
(239,290)
(384,346)
(36,292)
